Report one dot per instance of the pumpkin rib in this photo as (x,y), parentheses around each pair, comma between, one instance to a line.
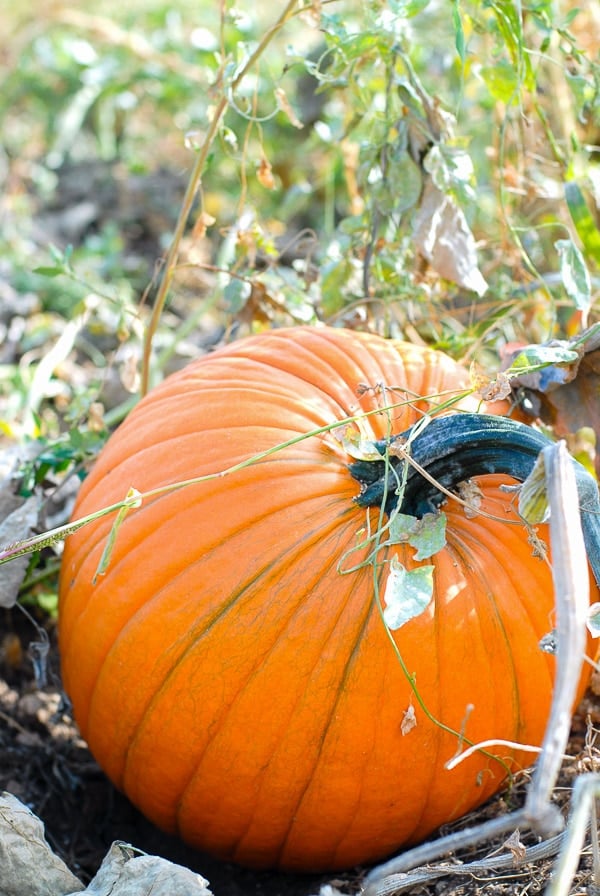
(192,642)
(285,558)
(520,580)
(432,380)
(464,547)
(120,563)
(326,732)
(436,699)
(344,372)
(230,853)
(328,719)
(286,387)
(328,473)
(273,437)
(498,540)
(306,364)
(470,545)
(435,706)
(277,643)
(352,815)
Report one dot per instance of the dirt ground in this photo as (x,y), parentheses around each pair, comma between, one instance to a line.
(46,764)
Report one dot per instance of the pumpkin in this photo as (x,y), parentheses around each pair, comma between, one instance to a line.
(230,668)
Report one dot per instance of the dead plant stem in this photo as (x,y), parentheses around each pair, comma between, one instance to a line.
(193,187)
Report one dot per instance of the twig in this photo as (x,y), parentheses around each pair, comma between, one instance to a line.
(193,186)
(572,601)
(377,881)
(585,790)
(397,883)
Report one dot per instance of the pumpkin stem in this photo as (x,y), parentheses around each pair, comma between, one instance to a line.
(454,448)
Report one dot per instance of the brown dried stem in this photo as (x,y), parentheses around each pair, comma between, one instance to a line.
(194,185)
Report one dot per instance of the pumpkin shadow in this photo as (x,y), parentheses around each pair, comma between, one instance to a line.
(125,822)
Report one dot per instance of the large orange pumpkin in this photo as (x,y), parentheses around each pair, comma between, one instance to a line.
(231,675)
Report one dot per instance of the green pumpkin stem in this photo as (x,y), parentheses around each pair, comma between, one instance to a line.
(457,447)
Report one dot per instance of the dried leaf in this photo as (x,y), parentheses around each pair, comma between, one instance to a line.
(28,865)
(18,518)
(409,721)
(564,394)
(486,388)
(517,848)
(96,417)
(17,526)
(129,373)
(265,174)
(284,104)
(582,447)
(470,492)
(574,406)
(203,222)
(126,872)
(444,239)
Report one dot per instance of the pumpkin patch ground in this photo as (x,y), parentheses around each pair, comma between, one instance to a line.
(44,762)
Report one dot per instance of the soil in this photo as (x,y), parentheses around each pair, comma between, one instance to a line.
(46,764)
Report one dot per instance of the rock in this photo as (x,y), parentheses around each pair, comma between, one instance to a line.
(28,865)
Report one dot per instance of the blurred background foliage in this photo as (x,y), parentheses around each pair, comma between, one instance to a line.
(175,174)
(427,169)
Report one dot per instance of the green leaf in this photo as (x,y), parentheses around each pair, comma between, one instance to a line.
(402,185)
(510,26)
(236,293)
(335,275)
(501,80)
(459,34)
(574,273)
(427,535)
(535,357)
(583,220)
(408,8)
(584,93)
(61,256)
(593,620)
(407,594)
(47,271)
(357,46)
(358,447)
